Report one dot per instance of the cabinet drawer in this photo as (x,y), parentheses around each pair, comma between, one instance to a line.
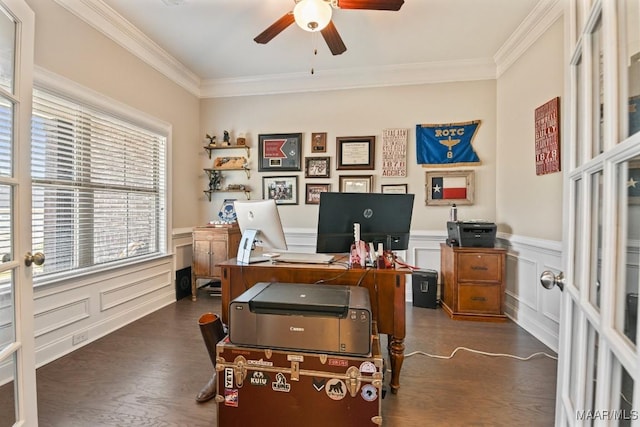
(208,235)
(480,298)
(483,267)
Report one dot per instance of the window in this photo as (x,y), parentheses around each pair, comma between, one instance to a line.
(98,187)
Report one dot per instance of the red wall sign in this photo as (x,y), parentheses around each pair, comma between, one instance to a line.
(548,137)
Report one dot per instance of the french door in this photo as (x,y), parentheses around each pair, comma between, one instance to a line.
(599,361)
(17,359)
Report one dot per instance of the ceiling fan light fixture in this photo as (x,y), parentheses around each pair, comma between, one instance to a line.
(312,15)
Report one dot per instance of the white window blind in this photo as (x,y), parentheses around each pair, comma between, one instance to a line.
(98,186)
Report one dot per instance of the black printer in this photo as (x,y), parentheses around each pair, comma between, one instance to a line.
(472,234)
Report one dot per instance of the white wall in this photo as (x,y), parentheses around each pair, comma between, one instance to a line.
(360,112)
(529,207)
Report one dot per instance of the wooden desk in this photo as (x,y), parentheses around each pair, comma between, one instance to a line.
(386,288)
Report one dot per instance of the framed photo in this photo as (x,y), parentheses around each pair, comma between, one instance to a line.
(355,152)
(318,142)
(282,189)
(279,152)
(313,193)
(356,183)
(317,167)
(394,188)
(448,187)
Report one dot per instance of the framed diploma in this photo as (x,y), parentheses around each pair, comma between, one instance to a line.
(355,152)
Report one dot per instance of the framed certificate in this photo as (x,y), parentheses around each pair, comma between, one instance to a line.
(355,152)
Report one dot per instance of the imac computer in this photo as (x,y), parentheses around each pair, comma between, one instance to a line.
(261,229)
(263,237)
(383,218)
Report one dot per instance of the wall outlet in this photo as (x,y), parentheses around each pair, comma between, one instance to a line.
(80,337)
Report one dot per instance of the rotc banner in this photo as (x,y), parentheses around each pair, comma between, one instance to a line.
(446,144)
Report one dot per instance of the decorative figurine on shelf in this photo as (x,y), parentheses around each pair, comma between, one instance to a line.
(225,138)
(215,183)
(212,140)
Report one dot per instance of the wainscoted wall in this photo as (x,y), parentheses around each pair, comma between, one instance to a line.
(76,312)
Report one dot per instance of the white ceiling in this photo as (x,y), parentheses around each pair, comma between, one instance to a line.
(213,39)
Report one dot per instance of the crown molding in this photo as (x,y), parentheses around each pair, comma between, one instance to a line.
(100,16)
(543,15)
(106,20)
(352,78)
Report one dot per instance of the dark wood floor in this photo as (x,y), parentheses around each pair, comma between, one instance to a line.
(148,374)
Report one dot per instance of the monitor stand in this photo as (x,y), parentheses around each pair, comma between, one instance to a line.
(248,252)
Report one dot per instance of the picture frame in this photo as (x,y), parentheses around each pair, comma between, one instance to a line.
(355,152)
(279,152)
(448,187)
(318,142)
(394,188)
(282,189)
(356,183)
(313,191)
(317,167)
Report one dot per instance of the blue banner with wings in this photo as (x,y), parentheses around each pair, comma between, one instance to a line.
(446,144)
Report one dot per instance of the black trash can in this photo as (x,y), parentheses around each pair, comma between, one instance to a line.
(425,288)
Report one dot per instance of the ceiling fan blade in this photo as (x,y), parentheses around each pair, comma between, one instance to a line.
(371,4)
(333,39)
(275,28)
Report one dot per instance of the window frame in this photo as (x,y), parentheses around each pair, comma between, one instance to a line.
(65,88)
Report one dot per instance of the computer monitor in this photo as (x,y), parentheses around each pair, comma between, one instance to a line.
(383,218)
(263,216)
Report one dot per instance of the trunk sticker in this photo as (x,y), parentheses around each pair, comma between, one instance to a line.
(336,389)
(368,368)
(259,363)
(318,383)
(280,384)
(259,378)
(228,377)
(231,397)
(338,362)
(369,392)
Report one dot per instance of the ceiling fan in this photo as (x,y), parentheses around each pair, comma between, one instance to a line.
(315,15)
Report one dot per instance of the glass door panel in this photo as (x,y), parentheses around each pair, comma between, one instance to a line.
(595,258)
(591,373)
(629,15)
(6,146)
(7,47)
(597,90)
(578,234)
(621,394)
(628,268)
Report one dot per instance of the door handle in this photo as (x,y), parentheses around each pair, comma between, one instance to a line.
(548,280)
(37,259)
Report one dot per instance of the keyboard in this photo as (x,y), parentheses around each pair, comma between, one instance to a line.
(302,258)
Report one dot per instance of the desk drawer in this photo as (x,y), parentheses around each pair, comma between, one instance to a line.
(480,267)
(480,298)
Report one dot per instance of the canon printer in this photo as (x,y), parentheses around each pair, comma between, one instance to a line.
(296,316)
(474,234)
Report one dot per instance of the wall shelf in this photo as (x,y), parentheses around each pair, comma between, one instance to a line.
(209,148)
(246,191)
(245,169)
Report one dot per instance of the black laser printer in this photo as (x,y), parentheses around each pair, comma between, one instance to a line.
(471,234)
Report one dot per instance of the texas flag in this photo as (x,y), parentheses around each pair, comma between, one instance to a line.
(448,187)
